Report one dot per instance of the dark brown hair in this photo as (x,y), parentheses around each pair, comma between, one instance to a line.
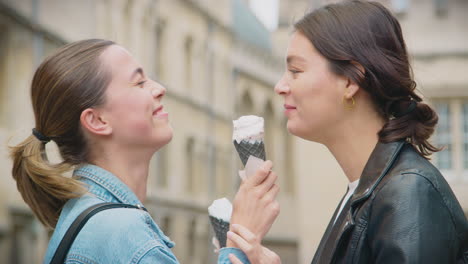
(360,33)
(65,84)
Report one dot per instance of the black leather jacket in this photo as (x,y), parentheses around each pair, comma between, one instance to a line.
(403,211)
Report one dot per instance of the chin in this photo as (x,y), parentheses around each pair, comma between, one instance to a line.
(292,129)
(164,137)
(301,132)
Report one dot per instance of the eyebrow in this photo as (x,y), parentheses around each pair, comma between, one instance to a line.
(137,71)
(293,58)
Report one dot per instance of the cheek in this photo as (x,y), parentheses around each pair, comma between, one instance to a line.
(132,112)
(318,102)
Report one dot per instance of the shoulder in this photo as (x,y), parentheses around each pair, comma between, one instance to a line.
(412,173)
(121,224)
(418,192)
(120,235)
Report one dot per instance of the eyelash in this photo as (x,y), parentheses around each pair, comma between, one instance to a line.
(294,71)
(141,84)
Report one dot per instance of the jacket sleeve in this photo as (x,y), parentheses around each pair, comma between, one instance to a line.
(410,223)
(223,257)
(154,253)
(162,255)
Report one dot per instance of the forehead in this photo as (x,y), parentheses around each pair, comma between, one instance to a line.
(119,61)
(300,46)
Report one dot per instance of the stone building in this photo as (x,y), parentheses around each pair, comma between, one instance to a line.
(219,62)
(216,60)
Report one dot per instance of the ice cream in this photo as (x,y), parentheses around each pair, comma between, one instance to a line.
(220,214)
(248,137)
(248,140)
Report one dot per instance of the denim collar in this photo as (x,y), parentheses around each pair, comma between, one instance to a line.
(105,185)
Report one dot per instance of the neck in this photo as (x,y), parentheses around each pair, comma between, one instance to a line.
(353,144)
(131,168)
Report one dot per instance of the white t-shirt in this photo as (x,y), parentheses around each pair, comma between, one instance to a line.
(351,188)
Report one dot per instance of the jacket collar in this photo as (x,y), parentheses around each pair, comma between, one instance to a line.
(380,161)
(105,185)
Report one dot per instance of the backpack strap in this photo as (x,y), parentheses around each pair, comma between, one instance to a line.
(77,225)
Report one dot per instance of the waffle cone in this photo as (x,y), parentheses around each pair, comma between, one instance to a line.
(245,149)
(220,228)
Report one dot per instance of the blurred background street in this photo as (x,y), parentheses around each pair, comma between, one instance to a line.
(220,59)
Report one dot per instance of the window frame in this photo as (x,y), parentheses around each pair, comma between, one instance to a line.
(448,173)
(464,139)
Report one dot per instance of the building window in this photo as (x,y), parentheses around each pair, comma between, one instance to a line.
(160,35)
(188,47)
(465,138)
(166,225)
(246,104)
(222,172)
(3,51)
(162,167)
(4,241)
(190,152)
(191,237)
(23,237)
(289,173)
(444,139)
(400,7)
(441,7)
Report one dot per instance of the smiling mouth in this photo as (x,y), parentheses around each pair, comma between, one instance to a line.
(289,107)
(159,111)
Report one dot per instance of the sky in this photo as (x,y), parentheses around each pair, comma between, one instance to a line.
(266,11)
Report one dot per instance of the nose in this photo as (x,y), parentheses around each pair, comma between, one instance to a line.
(282,87)
(158,90)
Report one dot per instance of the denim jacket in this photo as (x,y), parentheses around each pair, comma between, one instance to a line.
(116,235)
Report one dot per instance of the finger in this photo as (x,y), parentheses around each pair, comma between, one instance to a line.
(244,232)
(272,256)
(239,241)
(268,252)
(261,174)
(272,193)
(234,259)
(268,183)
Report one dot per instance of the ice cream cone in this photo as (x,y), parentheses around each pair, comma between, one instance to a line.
(220,214)
(247,137)
(220,228)
(247,148)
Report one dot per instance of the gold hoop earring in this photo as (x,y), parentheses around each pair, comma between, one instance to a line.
(349,105)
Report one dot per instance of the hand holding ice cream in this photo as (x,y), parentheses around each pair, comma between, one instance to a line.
(255,206)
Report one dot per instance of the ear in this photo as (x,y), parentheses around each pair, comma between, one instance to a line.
(352,87)
(93,122)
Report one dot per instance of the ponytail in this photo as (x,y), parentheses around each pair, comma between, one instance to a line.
(41,184)
(415,126)
(64,85)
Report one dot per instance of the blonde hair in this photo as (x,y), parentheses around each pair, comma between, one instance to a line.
(66,83)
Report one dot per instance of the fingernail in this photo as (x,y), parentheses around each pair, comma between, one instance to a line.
(266,165)
(229,234)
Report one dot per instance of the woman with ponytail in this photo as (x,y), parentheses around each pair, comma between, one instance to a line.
(349,86)
(107,118)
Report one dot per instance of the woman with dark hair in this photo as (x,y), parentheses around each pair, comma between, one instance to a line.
(94,100)
(349,86)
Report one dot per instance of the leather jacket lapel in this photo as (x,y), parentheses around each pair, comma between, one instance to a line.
(380,161)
